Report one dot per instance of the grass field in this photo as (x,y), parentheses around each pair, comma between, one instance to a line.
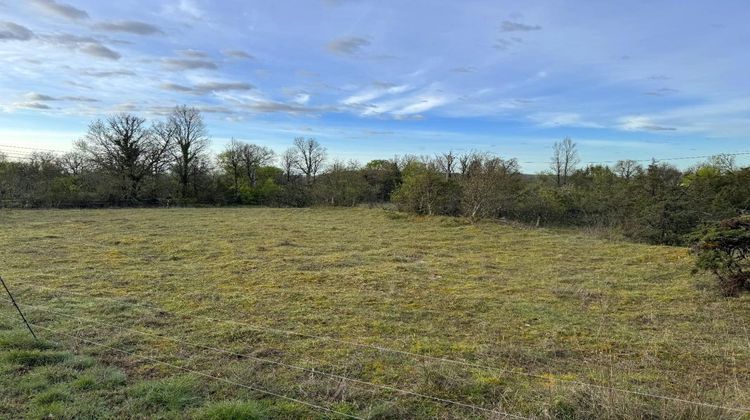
(352,310)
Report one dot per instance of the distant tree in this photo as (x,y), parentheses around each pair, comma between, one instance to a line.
(187,132)
(426,190)
(463,162)
(253,157)
(230,161)
(73,163)
(488,186)
(627,169)
(383,177)
(310,157)
(564,160)
(447,163)
(342,185)
(662,212)
(125,147)
(724,163)
(288,163)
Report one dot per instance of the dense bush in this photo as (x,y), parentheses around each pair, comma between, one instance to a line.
(724,250)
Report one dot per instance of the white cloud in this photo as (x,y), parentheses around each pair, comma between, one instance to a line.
(422,104)
(562,119)
(363,97)
(642,123)
(185,8)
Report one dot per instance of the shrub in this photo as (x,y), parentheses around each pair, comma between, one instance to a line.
(724,250)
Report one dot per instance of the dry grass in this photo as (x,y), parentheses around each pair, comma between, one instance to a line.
(561,305)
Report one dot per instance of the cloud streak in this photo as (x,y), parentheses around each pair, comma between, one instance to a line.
(509,26)
(129,26)
(207,87)
(189,64)
(63,10)
(10,31)
(348,46)
(237,54)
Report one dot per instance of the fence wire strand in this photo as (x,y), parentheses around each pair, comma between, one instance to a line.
(438,359)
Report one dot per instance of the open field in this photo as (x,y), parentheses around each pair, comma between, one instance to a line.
(353,310)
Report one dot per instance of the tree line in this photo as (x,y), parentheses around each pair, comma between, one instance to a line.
(123,160)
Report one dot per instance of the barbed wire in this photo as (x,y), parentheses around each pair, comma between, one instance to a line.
(438,359)
(274,362)
(128,300)
(193,371)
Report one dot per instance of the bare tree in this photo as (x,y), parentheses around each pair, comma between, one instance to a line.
(564,160)
(310,157)
(42,160)
(463,163)
(627,169)
(187,132)
(73,163)
(724,163)
(288,163)
(126,147)
(253,157)
(447,163)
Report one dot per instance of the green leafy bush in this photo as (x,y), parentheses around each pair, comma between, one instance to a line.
(724,250)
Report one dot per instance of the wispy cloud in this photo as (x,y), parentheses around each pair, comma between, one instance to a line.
(464,69)
(562,119)
(237,54)
(10,31)
(504,44)
(348,46)
(129,26)
(32,97)
(207,87)
(274,107)
(33,105)
(661,92)
(187,8)
(58,9)
(509,26)
(84,44)
(642,123)
(193,53)
(99,50)
(381,89)
(188,64)
(38,97)
(107,73)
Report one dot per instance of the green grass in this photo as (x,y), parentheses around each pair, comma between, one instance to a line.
(561,305)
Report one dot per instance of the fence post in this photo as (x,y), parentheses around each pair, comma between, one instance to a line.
(17,308)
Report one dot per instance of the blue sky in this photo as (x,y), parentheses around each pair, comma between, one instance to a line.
(371,79)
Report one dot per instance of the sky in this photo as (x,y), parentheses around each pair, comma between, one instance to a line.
(373,79)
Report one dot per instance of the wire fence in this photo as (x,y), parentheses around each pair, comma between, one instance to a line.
(274,362)
(457,362)
(140,301)
(195,372)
